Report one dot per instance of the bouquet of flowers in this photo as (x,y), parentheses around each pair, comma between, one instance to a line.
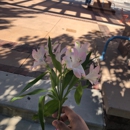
(69,65)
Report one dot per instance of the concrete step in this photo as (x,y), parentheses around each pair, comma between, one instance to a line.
(90,108)
(115,83)
(17,123)
(116,100)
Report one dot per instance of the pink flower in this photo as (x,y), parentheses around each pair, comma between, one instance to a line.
(58,52)
(39,57)
(82,50)
(93,75)
(73,62)
(56,49)
(75,57)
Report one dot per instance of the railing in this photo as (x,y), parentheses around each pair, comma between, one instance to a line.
(102,57)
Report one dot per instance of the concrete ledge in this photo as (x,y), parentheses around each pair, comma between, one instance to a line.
(17,123)
(116,101)
(90,107)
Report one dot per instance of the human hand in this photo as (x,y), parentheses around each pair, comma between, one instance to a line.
(76,122)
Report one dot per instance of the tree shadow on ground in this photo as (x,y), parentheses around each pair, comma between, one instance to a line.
(9,14)
(61,8)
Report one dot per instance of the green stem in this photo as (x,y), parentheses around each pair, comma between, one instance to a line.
(59,111)
(60,92)
(69,87)
(60,98)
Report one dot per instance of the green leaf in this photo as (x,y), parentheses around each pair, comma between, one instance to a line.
(50,107)
(67,79)
(78,94)
(52,96)
(87,84)
(87,61)
(36,91)
(50,47)
(54,78)
(41,111)
(33,82)
(56,63)
(73,81)
(35,117)
(64,99)
(54,92)
(84,87)
(71,84)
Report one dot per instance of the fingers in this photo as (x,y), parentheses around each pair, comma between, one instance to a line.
(65,109)
(60,125)
(62,118)
(68,114)
(54,115)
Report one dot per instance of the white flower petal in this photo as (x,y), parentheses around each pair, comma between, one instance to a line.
(68,62)
(58,55)
(63,51)
(79,71)
(35,64)
(34,54)
(91,68)
(93,75)
(58,49)
(39,57)
(68,52)
(96,69)
(77,45)
(42,51)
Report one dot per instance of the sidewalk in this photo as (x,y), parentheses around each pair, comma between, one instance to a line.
(24,28)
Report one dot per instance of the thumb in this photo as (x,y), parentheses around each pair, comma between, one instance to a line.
(60,125)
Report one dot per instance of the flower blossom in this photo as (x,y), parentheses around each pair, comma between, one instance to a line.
(93,75)
(56,50)
(82,50)
(75,57)
(39,57)
(73,62)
